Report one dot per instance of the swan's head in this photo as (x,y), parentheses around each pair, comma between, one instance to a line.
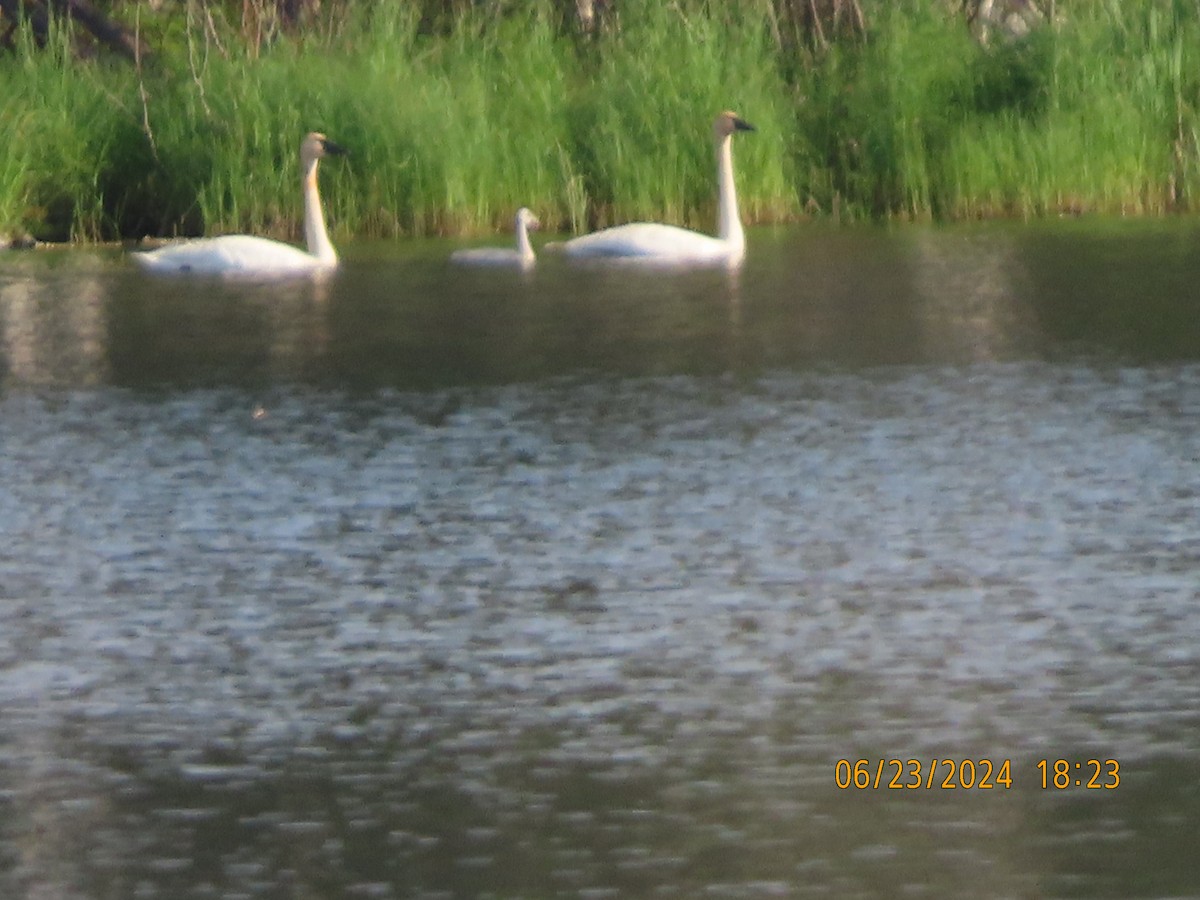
(316,146)
(729,122)
(526,217)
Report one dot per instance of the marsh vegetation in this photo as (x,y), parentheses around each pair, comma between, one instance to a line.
(457,114)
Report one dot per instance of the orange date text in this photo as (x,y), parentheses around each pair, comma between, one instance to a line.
(923,774)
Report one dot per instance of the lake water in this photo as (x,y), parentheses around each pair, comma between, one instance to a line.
(424,583)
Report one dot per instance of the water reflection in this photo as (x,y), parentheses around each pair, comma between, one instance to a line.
(975,301)
(53,332)
(580,584)
(209,332)
(404,318)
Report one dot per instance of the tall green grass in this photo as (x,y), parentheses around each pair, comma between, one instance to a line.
(451,133)
(641,121)
(62,132)
(1096,114)
(453,125)
(458,132)
(1115,133)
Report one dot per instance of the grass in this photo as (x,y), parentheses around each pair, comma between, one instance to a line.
(63,129)
(1116,132)
(642,120)
(1096,115)
(452,126)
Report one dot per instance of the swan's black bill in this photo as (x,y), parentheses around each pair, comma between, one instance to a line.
(333,149)
(742,125)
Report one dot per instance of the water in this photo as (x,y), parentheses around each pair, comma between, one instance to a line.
(424,583)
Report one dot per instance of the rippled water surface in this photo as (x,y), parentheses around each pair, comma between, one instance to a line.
(429,583)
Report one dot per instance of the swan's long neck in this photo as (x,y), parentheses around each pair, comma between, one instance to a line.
(729,226)
(314,219)
(524,248)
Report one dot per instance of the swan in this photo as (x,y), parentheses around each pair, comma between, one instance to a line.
(652,242)
(521,255)
(246,255)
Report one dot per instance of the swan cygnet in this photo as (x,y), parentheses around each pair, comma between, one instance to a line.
(248,256)
(667,244)
(521,255)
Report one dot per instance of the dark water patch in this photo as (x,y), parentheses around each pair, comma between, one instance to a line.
(399,317)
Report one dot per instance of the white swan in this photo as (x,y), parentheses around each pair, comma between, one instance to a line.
(521,255)
(246,255)
(667,244)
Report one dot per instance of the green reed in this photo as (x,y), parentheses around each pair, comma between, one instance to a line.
(457,132)
(641,120)
(1115,131)
(61,133)
(445,133)
(1096,114)
(453,125)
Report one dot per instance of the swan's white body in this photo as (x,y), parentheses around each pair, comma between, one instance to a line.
(669,245)
(522,255)
(249,256)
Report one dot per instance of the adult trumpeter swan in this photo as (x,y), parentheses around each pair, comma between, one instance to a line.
(246,255)
(667,244)
(521,255)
